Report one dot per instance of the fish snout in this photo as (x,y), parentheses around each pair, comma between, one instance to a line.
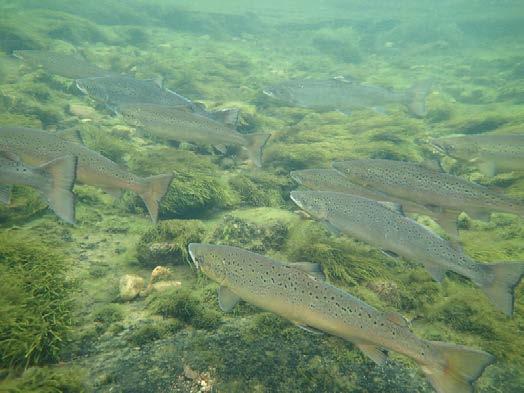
(196,257)
(268,92)
(294,175)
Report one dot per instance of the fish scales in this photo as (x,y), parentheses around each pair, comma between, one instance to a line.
(425,186)
(37,146)
(306,301)
(386,228)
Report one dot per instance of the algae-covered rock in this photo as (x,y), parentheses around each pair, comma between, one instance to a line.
(47,380)
(257,237)
(130,286)
(196,188)
(167,242)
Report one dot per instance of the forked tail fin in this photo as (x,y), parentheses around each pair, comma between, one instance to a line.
(153,190)
(255,145)
(61,173)
(504,278)
(458,369)
(416,98)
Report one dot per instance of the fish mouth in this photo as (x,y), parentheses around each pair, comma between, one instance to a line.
(80,87)
(268,93)
(294,198)
(295,177)
(191,248)
(435,143)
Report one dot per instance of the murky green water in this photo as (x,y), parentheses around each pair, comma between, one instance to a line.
(163,109)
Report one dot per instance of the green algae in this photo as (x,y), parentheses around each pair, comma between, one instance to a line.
(35,304)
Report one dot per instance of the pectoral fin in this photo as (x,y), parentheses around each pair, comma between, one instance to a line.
(5,194)
(221,148)
(435,271)
(487,168)
(374,353)
(448,221)
(479,214)
(331,228)
(227,299)
(114,192)
(397,319)
(311,268)
(390,254)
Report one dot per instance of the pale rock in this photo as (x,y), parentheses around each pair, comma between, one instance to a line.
(130,286)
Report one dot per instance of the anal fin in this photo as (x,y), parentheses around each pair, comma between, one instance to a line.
(308,329)
(487,168)
(227,300)
(5,194)
(374,353)
(435,271)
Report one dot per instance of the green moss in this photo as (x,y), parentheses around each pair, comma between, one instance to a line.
(106,144)
(46,380)
(107,314)
(25,203)
(35,302)
(167,242)
(184,306)
(341,43)
(260,189)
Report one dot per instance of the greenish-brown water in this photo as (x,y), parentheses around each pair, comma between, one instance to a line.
(83,307)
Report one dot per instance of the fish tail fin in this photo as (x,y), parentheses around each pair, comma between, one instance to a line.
(459,367)
(61,173)
(416,98)
(153,190)
(255,145)
(504,278)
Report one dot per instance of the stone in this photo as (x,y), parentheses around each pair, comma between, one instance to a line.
(130,286)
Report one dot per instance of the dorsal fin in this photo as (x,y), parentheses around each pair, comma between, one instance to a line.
(71,134)
(396,207)
(311,268)
(397,319)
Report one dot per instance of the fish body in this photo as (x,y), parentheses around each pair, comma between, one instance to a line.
(333,180)
(346,95)
(66,65)
(36,147)
(490,153)
(117,90)
(309,302)
(433,189)
(173,123)
(54,179)
(385,227)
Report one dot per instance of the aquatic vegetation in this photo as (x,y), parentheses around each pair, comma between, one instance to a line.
(35,304)
(184,306)
(48,379)
(167,242)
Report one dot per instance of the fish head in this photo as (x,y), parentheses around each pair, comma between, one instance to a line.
(452,146)
(279,92)
(297,176)
(210,259)
(311,202)
(355,170)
